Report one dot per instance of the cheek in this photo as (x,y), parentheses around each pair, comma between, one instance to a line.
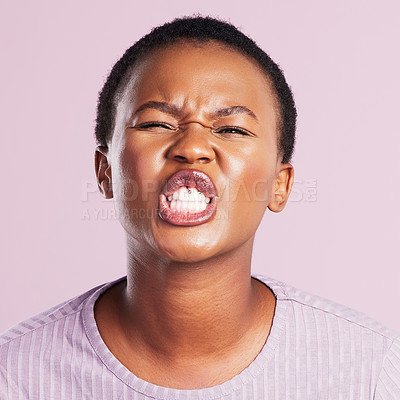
(137,175)
(136,189)
(256,193)
(250,189)
(251,177)
(259,182)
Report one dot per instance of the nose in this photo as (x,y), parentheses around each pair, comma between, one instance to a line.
(193,145)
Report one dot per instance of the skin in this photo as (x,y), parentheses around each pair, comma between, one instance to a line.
(190,315)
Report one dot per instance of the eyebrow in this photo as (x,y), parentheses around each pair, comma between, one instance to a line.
(225,112)
(161,106)
(176,111)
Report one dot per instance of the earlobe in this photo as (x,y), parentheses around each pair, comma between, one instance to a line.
(103,172)
(281,188)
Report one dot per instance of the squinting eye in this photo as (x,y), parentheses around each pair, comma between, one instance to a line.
(155,124)
(232,130)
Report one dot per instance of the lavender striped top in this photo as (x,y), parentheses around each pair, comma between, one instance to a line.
(316,350)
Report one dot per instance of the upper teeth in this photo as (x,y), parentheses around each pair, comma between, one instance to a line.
(188,199)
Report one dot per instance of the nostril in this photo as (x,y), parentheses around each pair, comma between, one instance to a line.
(187,160)
(180,158)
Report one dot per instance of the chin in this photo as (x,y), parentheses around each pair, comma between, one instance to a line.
(187,251)
(185,258)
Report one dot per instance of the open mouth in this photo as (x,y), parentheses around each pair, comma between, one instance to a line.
(188,198)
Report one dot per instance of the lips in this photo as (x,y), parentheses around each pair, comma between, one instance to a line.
(190,178)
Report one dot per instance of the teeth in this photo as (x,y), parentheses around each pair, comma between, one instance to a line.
(183,194)
(188,206)
(192,196)
(188,200)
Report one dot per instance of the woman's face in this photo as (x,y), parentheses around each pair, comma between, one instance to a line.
(203,108)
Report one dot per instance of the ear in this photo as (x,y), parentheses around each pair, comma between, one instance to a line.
(103,171)
(281,188)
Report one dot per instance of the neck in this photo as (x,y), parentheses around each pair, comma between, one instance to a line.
(186,325)
(190,309)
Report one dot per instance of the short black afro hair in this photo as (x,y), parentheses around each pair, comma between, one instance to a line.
(200,29)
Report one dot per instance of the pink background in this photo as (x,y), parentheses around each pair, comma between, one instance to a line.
(338,237)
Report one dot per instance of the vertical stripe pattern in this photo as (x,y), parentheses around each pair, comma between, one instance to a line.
(317,350)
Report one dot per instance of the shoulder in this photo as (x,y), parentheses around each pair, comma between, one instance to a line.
(67,312)
(326,312)
(52,316)
(335,341)
(38,354)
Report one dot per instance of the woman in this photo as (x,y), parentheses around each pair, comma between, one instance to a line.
(196,131)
